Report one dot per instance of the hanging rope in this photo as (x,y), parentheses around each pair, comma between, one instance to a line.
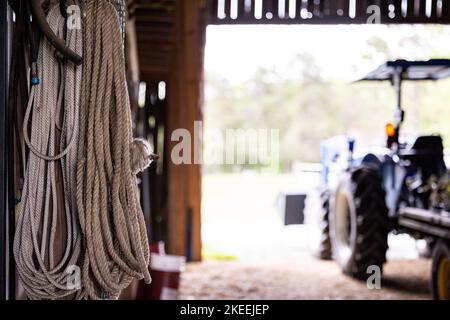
(112,223)
(48,240)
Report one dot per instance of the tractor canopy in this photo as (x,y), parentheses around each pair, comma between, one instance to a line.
(434,69)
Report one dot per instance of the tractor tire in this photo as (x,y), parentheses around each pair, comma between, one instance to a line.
(440,271)
(359,223)
(324,250)
(425,251)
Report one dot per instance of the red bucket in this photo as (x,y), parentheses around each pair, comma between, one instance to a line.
(165,271)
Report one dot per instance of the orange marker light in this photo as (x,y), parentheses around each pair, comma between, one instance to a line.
(390,130)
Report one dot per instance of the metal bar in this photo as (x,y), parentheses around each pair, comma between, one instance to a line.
(426,216)
(397,80)
(424,228)
(399,114)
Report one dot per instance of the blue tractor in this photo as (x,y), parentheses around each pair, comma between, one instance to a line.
(403,187)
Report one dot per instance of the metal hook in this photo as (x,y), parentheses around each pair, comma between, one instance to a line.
(39,16)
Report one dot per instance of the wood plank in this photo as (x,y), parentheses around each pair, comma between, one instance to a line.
(175,216)
(397,5)
(227,7)
(312,7)
(191,92)
(337,12)
(132,63)
(361,10)
(283,13)
(154,74)
(445,10)
(184,107)
(298,7)
(434,13)
(269,10)
(6,269)
(410,9)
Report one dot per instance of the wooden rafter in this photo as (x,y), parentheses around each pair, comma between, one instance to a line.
(328,11)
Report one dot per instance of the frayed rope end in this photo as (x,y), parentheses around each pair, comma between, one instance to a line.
(141,155)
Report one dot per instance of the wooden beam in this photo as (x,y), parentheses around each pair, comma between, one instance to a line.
(132,63)
(184,108)
(329,12)
(5,244)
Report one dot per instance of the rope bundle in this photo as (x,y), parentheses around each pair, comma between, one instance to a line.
(41,263)
(111,219)
(80,203)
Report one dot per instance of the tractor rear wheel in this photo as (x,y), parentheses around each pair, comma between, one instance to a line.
(440,277)
(359,223)
(324,249)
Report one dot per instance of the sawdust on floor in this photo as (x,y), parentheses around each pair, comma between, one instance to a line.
(308,278)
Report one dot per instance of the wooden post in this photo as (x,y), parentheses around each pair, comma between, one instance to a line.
(5,245)
(132,63)
(184,108)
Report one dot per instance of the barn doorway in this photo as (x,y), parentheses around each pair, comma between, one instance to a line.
(255,79)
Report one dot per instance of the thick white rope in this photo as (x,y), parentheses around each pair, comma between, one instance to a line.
(45,224)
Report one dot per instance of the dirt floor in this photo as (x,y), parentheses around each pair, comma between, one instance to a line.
(273,261)
(305,279)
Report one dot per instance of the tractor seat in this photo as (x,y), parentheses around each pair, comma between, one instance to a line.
(424,146)
(426,153)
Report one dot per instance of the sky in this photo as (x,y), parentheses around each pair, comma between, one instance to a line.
(235,52)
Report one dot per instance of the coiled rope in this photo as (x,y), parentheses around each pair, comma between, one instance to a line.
(80,204)
(44,223)
(112,223)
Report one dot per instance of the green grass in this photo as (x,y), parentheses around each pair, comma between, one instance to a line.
(209,253)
